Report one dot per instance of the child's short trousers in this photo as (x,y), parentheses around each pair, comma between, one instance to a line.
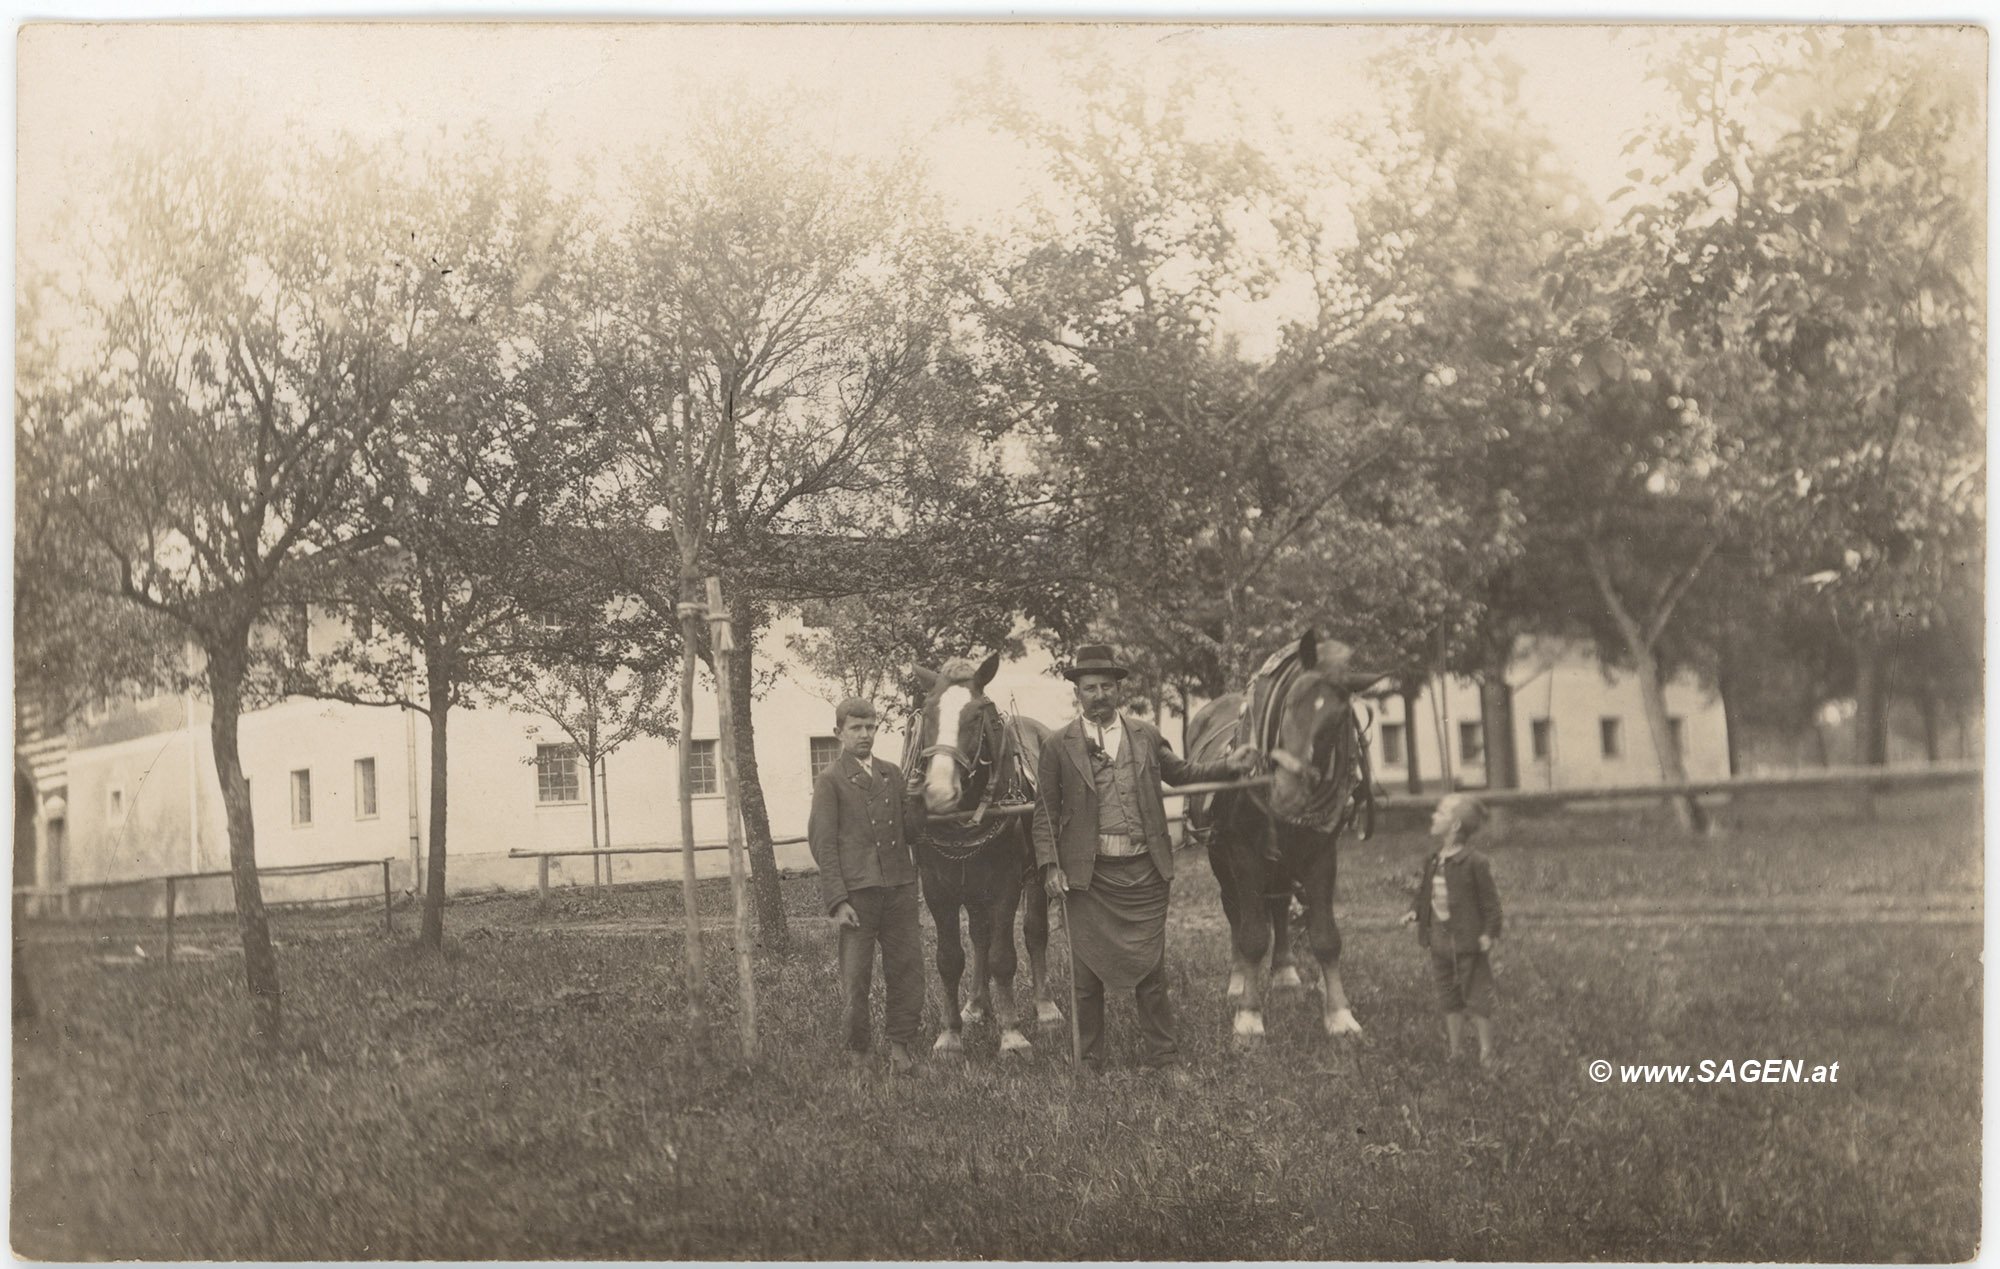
(1464,982)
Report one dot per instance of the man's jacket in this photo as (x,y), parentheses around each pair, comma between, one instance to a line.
(1066,798)
(1469,895)
(856,829)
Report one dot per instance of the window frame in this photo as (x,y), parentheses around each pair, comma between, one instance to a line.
(574,783)
(374,810)
(1472,740)
(1610,736)
(1395,742)
(713,772)
(1542,739)
(296,785)
(813,765)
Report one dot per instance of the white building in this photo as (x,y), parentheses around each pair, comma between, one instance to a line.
(334,782)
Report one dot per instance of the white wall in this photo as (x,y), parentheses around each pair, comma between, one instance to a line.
(1571,692)
(494,806)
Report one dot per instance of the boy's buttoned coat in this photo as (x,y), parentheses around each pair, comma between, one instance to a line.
(856,829)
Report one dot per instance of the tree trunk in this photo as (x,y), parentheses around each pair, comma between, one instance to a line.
(596,872)
(1653,697)
(432,936)
(226,668)
(1639,643)
(1871,705)
(1496,719)
(1725,687)
(1410,747)
(772,931)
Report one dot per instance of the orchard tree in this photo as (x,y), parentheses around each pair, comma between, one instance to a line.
(468,579)
(1819,227)
(764,343)
(251,324)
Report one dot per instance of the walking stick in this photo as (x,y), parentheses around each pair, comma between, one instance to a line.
(1075,1025)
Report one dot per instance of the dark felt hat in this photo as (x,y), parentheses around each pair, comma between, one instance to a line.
(1095,658)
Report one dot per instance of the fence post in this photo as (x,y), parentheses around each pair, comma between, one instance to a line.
(171,898)
(542,877)
(388,904)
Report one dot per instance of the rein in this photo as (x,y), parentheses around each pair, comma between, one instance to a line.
(979,832)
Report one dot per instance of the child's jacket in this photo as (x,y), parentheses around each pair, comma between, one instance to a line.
(1470,897)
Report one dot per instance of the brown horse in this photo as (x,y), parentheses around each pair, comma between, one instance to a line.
(1267,846)
(972,758)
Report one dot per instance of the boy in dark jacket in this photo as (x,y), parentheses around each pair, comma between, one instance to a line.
(1457,914)
(868,882)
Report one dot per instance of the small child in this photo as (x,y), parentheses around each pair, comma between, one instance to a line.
(1457,914)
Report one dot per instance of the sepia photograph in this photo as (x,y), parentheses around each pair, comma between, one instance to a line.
(1024,640)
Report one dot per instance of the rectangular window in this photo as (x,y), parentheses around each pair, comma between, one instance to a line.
(1392,744)
(301,630)
(1675,737)
(1538,738)
(703,779)
(302,799)
(114,802)
(1607,737)
(824,750)
(364,789)
(1471,742)
(556,779)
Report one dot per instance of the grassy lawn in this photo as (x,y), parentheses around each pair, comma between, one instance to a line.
(535,1094)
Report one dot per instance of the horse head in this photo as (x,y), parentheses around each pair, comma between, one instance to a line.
(961,734)
(1314,741)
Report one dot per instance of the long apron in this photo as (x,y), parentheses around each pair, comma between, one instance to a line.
(1118,924)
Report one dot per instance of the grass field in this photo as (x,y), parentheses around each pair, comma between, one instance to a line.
(535,1094)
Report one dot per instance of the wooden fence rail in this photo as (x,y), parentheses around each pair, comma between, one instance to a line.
(174,880)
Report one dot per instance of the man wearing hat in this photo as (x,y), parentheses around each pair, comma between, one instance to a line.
(1101,841)
(868,881)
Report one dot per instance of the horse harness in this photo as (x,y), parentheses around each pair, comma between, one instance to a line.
(960,844)
(1328,808)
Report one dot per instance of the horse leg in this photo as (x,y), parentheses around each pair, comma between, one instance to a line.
(1324,935)
(1253,946)
(1284,966)
(1225,878)
(951,966)
(1035,932)
(979,925)
(1001,967)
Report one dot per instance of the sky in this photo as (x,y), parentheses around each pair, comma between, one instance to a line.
(86,89)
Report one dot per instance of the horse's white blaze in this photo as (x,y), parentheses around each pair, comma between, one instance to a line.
(1249,1023)
(941,784)
(941,778)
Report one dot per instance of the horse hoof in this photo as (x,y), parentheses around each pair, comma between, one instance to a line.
(1236,984)
(973,1014)
(1047,1015)
(1249,1026)
(948,1042)
(1287,977)
(1342,1022)
(1012,1041)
